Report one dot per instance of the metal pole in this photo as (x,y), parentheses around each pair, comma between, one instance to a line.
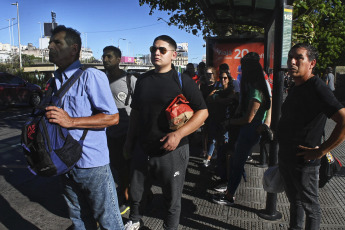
(41,40)
(118,42)
(271,213)
(9,31)
(12,37)
(20,48)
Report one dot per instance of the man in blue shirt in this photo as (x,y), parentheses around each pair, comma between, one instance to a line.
(89,188)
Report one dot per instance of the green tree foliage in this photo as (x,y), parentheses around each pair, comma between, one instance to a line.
(27,60)
(322,24)
(319,22)
(187,16)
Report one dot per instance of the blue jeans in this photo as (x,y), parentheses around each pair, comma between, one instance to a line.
(247,138)
(302,189)
(91,197)
(216,137)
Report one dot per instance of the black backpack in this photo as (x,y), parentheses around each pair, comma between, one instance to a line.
(49,148)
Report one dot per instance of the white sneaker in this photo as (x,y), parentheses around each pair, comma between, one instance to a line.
(132,226)
(206,163)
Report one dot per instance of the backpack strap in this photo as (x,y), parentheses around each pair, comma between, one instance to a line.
(129,87)
(67,85)
(180,78)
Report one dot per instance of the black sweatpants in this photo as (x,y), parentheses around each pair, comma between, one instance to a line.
(169,171)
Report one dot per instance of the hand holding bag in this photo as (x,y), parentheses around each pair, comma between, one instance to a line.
(178,112)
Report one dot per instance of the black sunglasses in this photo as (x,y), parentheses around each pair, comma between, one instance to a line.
(162,50)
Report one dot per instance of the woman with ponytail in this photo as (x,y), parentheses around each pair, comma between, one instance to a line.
(252,111)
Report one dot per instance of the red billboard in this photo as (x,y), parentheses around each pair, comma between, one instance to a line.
(231,50)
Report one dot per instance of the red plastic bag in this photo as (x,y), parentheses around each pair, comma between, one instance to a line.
(178,112)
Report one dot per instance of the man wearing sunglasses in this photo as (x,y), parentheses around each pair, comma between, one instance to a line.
(158,152)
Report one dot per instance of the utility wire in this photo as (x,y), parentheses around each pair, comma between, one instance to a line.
(134,28)
(9,26)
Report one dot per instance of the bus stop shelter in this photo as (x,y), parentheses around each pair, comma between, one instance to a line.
(275,16)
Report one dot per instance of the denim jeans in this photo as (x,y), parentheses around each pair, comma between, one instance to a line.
(216,137)
(246,140)
(91,197)
(211,138)
(302,189)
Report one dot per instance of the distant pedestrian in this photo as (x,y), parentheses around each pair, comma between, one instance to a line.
(158,152)
(329,78)
(190,71)
(89,188)
(122,86)
(299,135)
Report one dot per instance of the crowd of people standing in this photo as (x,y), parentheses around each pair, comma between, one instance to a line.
(130,140)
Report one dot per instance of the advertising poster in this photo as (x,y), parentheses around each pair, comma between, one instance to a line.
(231,51)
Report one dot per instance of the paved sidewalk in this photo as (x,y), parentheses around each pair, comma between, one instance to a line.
(30,203)
(199,212)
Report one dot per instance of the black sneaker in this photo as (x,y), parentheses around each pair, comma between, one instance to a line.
(221,188)
(250,159)
(223,200)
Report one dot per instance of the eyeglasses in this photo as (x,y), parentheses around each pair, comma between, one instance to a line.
(223,78)
(209,73)
(162,50)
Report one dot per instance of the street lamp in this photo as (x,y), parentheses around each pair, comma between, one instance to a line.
(12,36)
(20,49)
(9,31)
(118,42)
(41,40)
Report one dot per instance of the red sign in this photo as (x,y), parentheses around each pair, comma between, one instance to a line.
(231,54)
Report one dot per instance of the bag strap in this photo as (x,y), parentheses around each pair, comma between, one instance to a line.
(129,87)
(67,85)
(180,78)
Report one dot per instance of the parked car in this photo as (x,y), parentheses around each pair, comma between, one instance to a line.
(17,91)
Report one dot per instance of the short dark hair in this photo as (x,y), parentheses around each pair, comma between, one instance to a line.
(223,67)
(202,65)
(72,36)
(167,39)
(311,50)
(190,64)
(117,51)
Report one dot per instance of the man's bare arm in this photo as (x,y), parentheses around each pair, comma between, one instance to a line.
(337,136)
(97,121)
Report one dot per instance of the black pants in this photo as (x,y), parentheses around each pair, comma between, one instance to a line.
(169,170)
(120,165)
(301,188)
